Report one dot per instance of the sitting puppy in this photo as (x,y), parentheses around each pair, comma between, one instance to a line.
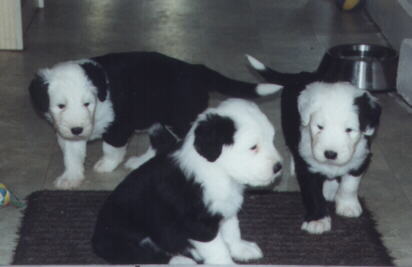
(328,128)
(182,205)
(111,96)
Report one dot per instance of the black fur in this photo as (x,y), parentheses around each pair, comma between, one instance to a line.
(39,94)
(155,202)
(369,113)
(162,139)
(211,134)
(98,77)
(311,183)
(146,88)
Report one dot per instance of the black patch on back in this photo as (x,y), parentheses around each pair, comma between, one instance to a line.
(39,94)
(211,134)
(369,112)
(98,77)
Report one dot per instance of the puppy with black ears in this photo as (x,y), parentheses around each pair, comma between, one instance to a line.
(181,206)
(112,96)
(328,127)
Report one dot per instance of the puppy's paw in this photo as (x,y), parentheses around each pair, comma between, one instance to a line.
(105,165)
(135,162)
(245,251)
(318,226)
(177,260)
(67,181)
(348,207)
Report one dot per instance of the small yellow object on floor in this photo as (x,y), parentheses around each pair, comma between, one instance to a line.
(6,198)
(348,5)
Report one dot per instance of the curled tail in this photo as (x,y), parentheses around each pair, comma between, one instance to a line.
(284,79)
(235,88)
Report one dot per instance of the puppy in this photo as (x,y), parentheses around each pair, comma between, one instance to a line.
(181,206)
(328,127)
(113,95)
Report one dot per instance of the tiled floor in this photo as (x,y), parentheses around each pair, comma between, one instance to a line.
(288,35)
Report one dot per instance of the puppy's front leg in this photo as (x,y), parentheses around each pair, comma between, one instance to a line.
(74,153)
(239,249)
(213,252)
(347,202)
(112,156)
(317,220)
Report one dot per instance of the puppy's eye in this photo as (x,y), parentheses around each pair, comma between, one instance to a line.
(253,148)
(320,127)
(348,130)
(61,106)
(86,104)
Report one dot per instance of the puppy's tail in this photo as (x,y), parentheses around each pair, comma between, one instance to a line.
(162,139)
(284,79)
(217,82)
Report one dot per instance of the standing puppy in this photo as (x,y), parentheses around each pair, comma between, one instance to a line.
(111,96)
(328,128)
(181,206)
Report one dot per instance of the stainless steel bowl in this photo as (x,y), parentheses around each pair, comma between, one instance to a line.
(367,66)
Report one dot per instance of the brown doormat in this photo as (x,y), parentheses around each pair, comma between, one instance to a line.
(57,226)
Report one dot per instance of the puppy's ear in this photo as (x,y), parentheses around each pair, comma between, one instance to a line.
(98,77)
(369,112)
(305,107)
(211,134)
(39,95)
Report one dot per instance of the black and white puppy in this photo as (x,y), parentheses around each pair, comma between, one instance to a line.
(181,206)
(328,127)
(113,95)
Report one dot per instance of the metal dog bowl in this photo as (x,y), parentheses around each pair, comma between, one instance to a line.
(370,67)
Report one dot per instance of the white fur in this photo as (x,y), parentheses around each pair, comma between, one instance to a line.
(255,63)
(178,260)
(239,249)
(213,252)
(223,180)
(330,123)
(135,162)
(267,89)
(74,104)
(318,226)
(112,156)
(238,164)
(73,100)
(347,203)
(74,153)
(330,187)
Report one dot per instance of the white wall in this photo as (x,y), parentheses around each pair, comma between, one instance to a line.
(394,18)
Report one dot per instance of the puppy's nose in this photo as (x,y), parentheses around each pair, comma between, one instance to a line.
(329,154)
(76,130)
(277,167)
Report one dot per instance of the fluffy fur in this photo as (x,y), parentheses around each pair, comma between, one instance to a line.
(328,127)
(113,95)
(181,206)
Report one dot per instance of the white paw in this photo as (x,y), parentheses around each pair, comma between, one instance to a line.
(135,162)
(245,251)
(105,165)
(67,181)
(181,260)
(318,226)
(348,207)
